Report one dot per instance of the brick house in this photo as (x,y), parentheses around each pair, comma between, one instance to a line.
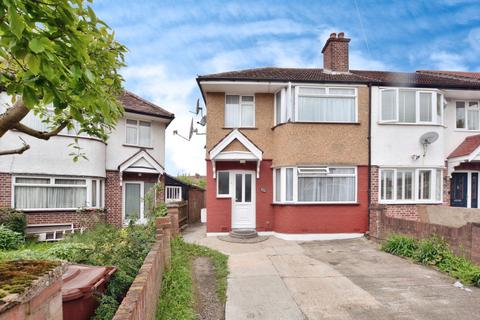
(304,153)
(50,188)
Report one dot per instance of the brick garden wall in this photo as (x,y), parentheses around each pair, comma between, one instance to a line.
(463,241)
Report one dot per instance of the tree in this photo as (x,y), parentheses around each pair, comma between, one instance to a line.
(59,61)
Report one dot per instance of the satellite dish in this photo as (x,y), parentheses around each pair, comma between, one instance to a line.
(203,121)
(428,138)
(190,133)
(198,109)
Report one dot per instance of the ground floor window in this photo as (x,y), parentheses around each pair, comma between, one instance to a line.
(40,193)
(320,184)
(410,185)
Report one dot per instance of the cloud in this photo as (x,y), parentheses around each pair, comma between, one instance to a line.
(444,60)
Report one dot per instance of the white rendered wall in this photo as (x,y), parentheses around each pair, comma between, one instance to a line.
(394,144)
(118,152)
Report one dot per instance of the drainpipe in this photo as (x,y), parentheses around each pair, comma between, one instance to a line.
(369,192)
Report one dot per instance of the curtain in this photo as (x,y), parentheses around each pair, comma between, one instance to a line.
(323,109)
(326,189)
(232,114)
(472,119)
(425,107)
(386,184)
(406,108)
(388,105)
(132,201)
(248,115)
(289,184)
(131,135)
(27,197)
(277,185)
(144,134)
(278,107)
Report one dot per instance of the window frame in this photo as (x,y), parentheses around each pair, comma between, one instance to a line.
(467,108)
(434,94)
(327,95)
(137,127)
(240,107)
(224,195)
(295,201)
(415,187)
(100,190)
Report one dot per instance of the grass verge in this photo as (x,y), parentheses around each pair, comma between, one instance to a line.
(434,251)
(177,299)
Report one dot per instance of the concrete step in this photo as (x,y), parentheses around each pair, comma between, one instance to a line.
(243,233)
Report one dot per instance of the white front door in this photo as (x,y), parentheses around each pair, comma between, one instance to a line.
(134,206)
(243,200)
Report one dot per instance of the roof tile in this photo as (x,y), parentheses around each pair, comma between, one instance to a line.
(470,144)
(133,103)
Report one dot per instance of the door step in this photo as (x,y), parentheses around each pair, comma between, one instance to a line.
(243,233)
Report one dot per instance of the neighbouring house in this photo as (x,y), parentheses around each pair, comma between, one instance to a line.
(296,151)
(56,192)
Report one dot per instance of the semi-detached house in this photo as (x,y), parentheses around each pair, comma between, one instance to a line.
(57,193)
(295,151)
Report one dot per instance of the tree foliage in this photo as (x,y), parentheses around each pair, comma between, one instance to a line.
(60,61)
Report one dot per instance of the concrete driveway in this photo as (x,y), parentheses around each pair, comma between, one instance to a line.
(344,279)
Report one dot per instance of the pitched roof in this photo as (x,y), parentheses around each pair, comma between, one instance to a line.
(423,78)
(469,145)
(135,104)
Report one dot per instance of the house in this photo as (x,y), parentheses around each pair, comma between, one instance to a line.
(304,153)
(51,189)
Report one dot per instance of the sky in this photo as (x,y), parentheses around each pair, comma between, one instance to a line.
(171,42)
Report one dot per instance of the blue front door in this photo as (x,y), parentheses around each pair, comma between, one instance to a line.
(474,192)
(459,190)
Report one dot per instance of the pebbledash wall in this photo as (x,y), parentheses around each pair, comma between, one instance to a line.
(283,218)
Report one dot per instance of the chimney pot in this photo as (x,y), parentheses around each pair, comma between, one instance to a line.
(335,53)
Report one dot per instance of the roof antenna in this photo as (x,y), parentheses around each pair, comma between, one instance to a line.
(190,132)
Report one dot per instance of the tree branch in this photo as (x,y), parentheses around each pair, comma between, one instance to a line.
(40,134)
(20,150)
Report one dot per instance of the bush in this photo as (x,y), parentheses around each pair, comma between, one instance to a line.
(10,240)
(400,245)
(432,251)
(13,220)
(71,251)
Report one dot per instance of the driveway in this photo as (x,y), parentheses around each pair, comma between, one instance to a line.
(344,279)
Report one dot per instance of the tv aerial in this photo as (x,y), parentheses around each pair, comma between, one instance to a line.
(427,139)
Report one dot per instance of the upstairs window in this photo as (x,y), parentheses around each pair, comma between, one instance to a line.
(468,115)
(322,104)
(411,106)
(138,133)
(239,111)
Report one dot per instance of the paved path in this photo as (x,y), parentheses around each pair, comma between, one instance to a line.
(347,279)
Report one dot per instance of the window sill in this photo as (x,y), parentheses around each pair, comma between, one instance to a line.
(224,197)
(240,128)
(136,146)
(411,124)
(465,130)
(284,204)
(319,123)
(58,210)
(409,203)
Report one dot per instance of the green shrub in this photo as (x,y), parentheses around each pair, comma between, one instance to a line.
(10,240)
(400,245)
(432,251)
(107,308)
(71,251)
(13,220)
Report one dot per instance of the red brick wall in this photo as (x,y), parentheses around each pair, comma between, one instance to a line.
(80,218)
(5,190)
(463,241)
(287,218)
(113,198)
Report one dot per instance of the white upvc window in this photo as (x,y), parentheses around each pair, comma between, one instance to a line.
(239,111)
(138,133)
(57,193)
(223,184)
(411,106)
(315,185)
(173,193)
(467,115)
(410,185)
(325,104)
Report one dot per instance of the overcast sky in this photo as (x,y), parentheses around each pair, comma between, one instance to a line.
(170,42)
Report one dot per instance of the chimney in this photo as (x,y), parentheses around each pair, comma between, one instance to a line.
(335,53)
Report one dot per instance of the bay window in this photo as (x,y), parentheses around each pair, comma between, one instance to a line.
(315,185)
(138,133)
(467,115)
(324,104)
(239,111)
(410,106)
(44,193)
(410,185)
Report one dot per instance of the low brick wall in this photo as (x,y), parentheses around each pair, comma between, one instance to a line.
(43,300)
(463,241)
(142,297)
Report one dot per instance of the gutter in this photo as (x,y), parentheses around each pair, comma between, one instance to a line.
(201,90)
(369,137)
